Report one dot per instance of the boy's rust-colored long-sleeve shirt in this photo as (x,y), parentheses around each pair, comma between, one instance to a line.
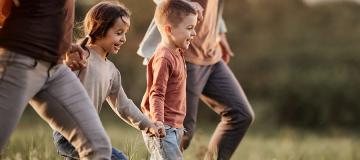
(165,96)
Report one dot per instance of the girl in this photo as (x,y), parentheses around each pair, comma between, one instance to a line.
(106,25)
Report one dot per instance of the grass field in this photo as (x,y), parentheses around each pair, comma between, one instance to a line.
(32,141)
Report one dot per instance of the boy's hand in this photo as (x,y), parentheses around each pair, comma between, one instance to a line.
(160,128)
(152,131)
(75,58)
(156,129)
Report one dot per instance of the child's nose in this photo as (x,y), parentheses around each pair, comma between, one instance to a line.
(123,39)
(193,33)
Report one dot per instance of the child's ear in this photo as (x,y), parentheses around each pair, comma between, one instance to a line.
(167,28)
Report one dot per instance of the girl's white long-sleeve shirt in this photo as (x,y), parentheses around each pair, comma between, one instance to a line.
(102,81)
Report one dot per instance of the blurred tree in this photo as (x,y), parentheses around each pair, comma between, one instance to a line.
(301,62)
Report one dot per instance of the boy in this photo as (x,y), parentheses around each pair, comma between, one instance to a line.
(211,80)
(165,97)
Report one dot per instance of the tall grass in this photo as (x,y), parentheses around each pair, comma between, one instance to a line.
(32,141)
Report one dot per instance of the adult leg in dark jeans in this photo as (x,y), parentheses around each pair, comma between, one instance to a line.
(223,93)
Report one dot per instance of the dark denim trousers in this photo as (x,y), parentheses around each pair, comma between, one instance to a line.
(217,86)
(65,149)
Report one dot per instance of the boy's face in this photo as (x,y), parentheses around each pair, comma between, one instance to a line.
(116,36)
(182,34)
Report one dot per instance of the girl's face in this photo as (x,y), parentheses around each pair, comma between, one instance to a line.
(115,37)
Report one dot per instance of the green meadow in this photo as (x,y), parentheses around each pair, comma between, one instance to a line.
(32,140)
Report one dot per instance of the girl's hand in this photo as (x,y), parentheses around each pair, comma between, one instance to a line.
(157,129)
(160,128)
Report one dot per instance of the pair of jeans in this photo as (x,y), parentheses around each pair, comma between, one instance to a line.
(57,95)
(217,86)
(167,148)
(65,149)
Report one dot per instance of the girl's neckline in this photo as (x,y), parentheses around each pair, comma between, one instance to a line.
(97,54)
(95,48)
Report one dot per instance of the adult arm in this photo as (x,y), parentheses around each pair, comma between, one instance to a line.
(75,58)
(72,53)
(227,53)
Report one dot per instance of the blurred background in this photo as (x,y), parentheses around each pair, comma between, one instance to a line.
(297,60)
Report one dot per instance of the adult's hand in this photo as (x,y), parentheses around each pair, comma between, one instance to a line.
(227,53)
(199,9)
(75,58)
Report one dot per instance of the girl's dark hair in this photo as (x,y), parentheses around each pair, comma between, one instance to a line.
(101,17)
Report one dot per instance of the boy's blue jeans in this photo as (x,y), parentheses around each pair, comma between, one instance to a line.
(64,148)
(167,148)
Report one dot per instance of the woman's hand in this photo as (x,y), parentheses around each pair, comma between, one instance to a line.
(75,58)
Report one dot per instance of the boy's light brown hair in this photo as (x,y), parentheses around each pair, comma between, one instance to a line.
(172,12)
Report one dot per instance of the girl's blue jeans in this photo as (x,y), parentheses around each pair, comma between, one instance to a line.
(65,149)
